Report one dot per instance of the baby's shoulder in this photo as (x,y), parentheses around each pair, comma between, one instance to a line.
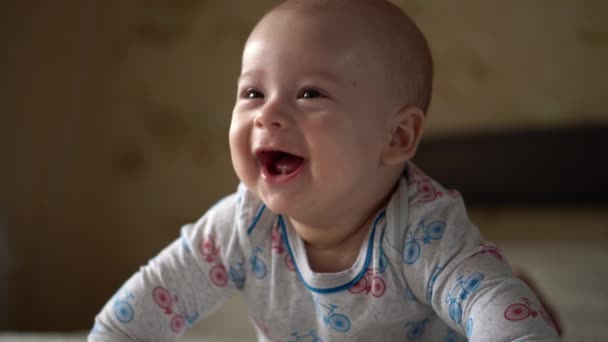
(245,211)
(425,192)
(426,218)
(236,208)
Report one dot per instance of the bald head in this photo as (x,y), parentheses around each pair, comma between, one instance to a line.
(393,38)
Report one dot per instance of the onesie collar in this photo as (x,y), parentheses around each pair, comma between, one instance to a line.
(330,282)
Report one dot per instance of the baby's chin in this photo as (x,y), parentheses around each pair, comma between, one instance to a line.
(284,203)
(277,203)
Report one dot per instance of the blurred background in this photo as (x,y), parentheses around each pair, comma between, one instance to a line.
(113,134)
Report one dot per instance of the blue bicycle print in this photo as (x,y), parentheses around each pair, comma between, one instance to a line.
(415,329)
(257,265)
(237,274)
(460,292)
(122,309)
(336,321)
(429,286)
(311,333)
(383,263)
(96,328)
(185,243)
(424,233)
(451,336)
(409,294)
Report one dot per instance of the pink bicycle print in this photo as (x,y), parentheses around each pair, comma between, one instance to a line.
(218,273)
(426,191)
(278,246)
(208,248)
(172,307)
(491,249)
(370,282)
(529,308)
(277,240)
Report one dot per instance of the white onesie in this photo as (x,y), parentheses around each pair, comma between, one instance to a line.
(422,274)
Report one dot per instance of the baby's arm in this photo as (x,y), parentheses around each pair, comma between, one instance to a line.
(482,298)
(469,284)
(187,281)
(527,279)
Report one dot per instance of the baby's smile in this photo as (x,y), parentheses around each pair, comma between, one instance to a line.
(279,166)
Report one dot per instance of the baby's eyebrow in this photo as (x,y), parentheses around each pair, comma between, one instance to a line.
(328,76)
(249,74)
(313,75)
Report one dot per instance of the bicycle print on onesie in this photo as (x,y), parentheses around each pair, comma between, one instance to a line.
(460,292)
(311,335)
(123,310)
(337,321)
(258,267)
(426,191)
(528,309)
(425,234)
(174,308)
(414,330)
(211,254)
(278,245)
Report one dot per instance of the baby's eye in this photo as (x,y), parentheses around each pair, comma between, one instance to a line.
(252,94)
(310,94)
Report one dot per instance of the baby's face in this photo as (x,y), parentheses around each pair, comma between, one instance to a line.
(310,120)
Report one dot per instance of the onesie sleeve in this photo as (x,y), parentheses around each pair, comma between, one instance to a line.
(466,281)
(186,282)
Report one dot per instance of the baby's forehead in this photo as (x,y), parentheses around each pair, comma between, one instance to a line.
(354,23)
(380,24)
(356,15)
(380,30)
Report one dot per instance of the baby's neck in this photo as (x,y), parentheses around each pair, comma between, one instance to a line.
(334,248)
(333,242)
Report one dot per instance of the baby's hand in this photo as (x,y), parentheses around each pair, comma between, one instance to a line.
(523,276)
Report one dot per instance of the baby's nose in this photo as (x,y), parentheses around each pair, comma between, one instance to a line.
(271,116)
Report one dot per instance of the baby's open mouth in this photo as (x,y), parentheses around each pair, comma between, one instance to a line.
(277,163)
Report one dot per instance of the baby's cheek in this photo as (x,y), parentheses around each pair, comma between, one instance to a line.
(244,167)
(237,135)
(242,159)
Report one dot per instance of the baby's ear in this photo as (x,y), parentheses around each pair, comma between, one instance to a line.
(405,133)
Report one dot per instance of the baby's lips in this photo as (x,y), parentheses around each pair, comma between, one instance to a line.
(268,153)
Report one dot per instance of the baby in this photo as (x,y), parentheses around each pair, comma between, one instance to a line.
(334,234)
